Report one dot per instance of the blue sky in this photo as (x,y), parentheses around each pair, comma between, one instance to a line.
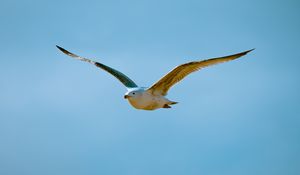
(61,116)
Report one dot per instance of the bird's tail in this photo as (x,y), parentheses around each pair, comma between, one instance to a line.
(167,105)
(172,103)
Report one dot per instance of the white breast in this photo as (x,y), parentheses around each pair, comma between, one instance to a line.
(148,102)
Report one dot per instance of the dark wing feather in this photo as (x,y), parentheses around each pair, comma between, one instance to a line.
(119,75)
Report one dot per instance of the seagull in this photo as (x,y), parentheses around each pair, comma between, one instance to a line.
(154,97)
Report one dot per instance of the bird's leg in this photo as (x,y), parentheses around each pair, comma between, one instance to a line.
(166,106)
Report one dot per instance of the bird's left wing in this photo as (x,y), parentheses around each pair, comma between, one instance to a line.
(119,75)
(162,86)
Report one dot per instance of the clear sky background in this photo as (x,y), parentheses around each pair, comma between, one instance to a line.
(62,116)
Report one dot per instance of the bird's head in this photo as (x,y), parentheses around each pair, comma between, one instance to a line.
(133,94)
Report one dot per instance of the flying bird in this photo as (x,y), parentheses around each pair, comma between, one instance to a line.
(154,97)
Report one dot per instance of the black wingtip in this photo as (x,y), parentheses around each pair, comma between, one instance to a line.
(249,50)
(60,48)
(245,52)
(63,50)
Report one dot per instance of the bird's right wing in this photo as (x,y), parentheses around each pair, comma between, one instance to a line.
(119,75)
(162,86)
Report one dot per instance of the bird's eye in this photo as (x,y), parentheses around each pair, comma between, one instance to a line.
(133,93)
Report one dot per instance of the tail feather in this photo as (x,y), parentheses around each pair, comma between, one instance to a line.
(172,103)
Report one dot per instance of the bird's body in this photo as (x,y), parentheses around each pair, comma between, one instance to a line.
(143,99)
(154,97)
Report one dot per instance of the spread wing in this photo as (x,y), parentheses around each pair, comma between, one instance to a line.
(119,75)
(162,86)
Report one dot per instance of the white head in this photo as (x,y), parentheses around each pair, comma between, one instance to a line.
(133,93)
